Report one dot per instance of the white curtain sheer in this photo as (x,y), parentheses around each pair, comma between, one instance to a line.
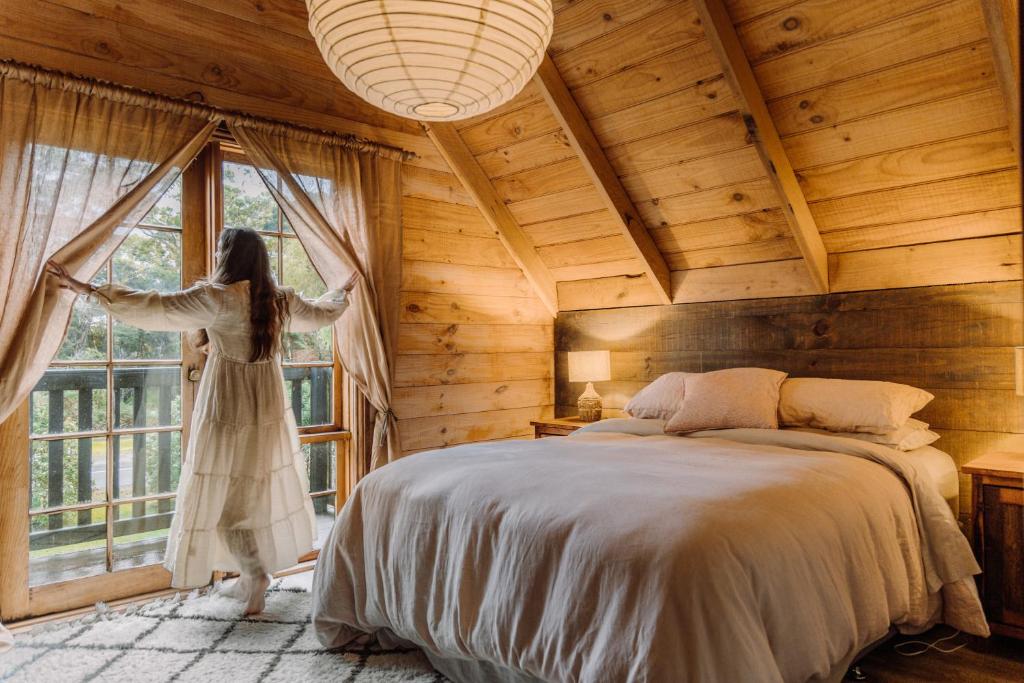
(80,166)
(345,206)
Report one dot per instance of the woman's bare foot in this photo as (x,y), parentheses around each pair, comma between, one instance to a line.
(237,589)
(256,602)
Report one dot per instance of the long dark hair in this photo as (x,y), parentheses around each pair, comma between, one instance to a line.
(243,256)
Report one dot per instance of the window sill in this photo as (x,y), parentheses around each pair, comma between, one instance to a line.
(323,436)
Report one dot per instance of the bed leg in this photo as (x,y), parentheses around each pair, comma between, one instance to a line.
(855,673)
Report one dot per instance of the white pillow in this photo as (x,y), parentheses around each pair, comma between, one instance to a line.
(729,399)
(911,436)
(845,405)
(660,399)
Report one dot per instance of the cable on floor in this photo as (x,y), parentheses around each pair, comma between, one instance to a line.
(923,646)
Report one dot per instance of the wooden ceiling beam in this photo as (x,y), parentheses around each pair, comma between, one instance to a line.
(721,34)
(465,167)
(1003,27)
(602,175)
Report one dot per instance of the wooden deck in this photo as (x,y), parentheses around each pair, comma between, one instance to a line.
(89,562)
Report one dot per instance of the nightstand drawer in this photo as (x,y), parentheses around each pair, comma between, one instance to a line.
(1002,554)
(1004,495)
(542,432)
(998,496)
(555,427)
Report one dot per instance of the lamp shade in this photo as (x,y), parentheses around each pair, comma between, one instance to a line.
(432,60)
(589,366)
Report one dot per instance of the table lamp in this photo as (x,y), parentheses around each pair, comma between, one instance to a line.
(589,367)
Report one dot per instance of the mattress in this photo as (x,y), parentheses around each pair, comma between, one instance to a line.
(940,468)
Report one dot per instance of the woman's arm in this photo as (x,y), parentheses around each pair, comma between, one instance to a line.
(190,309)
(305,315)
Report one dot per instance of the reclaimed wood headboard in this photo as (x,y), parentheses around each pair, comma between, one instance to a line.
(955,341)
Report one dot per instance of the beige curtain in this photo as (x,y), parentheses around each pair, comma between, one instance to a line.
(344,203)
(80,165)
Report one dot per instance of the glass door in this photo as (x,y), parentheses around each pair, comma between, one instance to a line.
(105,422)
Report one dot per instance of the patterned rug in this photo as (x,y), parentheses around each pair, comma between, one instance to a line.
(206,638)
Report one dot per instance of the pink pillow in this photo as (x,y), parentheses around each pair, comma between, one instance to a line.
(660,399)
(729,399)
(849,405)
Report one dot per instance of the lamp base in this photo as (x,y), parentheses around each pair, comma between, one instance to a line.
(589,405)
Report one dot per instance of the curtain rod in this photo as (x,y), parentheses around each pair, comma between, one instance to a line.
(37,75)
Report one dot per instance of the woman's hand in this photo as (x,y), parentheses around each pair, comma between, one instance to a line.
(351,282)
(66,281)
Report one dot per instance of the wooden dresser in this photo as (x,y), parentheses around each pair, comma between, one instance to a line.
(998,494)
(556,426)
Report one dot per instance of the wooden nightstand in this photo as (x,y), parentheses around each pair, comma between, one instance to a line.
(556,426)
(998,495)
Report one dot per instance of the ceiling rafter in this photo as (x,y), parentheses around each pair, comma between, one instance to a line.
(721,34)
(1001,21)
(605,179)
(466,168)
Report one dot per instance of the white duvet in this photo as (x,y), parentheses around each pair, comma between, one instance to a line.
(754,555)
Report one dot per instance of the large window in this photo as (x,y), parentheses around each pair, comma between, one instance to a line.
(110,418)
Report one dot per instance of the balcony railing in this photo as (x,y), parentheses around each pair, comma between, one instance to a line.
(141,392)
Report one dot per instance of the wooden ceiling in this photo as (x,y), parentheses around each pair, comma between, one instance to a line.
(890,115)
(648,163)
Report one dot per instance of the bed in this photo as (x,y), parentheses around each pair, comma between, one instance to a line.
(622,554)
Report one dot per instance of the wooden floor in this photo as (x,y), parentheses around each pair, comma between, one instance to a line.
(996,660)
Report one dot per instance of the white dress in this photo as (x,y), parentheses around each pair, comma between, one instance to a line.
(243,469)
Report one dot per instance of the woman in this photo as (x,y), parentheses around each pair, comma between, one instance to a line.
(242,497)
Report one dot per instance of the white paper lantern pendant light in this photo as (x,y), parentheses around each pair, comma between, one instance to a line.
(433,60)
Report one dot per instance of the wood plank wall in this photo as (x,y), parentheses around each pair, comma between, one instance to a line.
(475,343)
(955,341)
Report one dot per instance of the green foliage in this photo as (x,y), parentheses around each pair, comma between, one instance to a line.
(87,334)
(247,201)
(147,259)
(167,211)
(68,453)
(69,420)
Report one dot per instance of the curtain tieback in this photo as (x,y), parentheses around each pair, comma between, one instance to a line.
(388,416)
